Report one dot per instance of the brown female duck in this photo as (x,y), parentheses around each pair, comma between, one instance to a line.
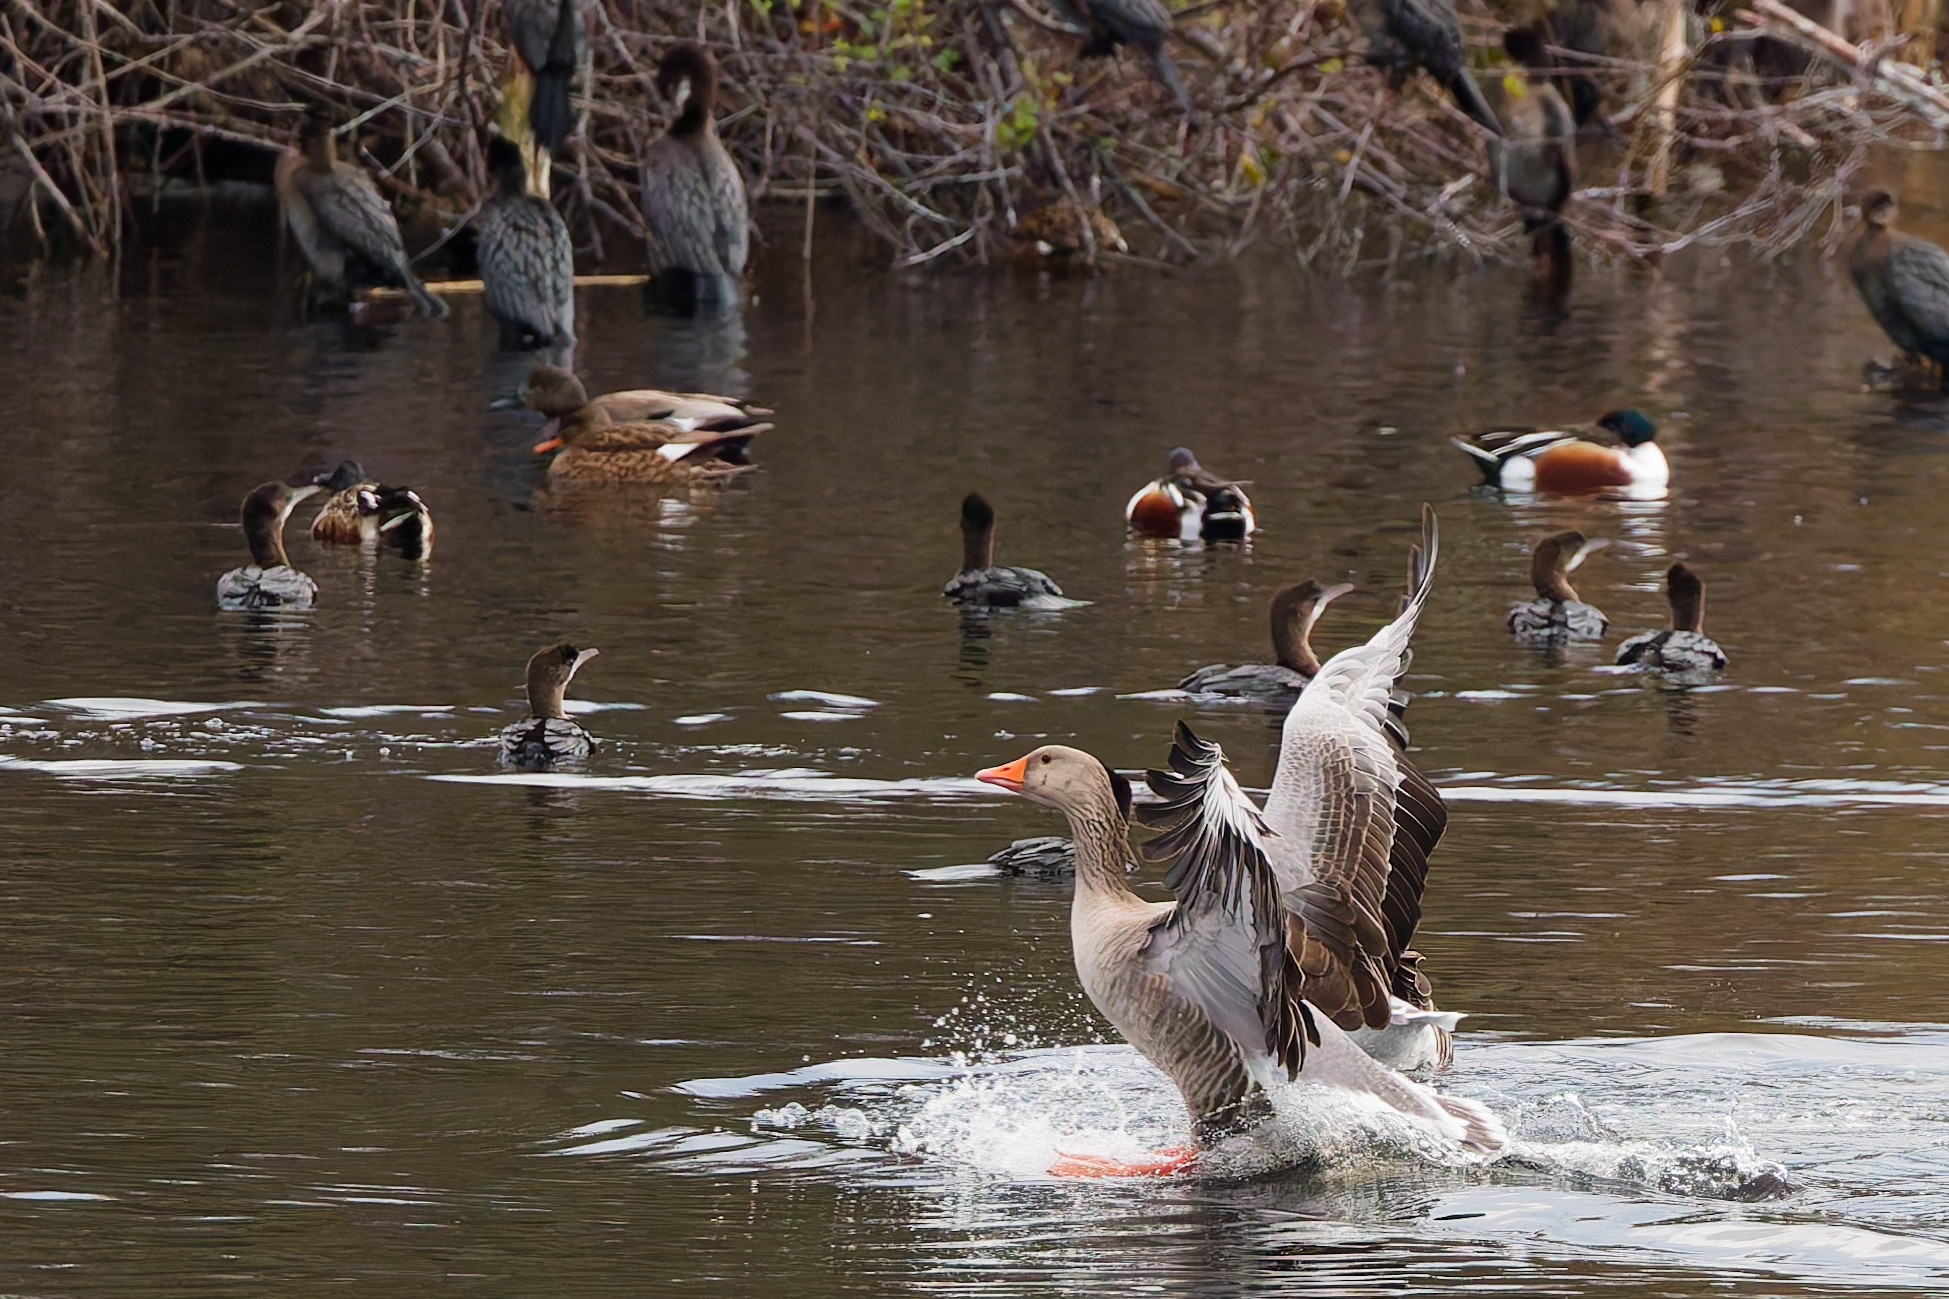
(1294,611)
(548,736)
(556,393)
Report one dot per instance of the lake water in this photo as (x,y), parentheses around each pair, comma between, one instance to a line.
(301,995)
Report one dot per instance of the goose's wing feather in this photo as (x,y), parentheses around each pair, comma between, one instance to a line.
(1223,947)
(1336,808)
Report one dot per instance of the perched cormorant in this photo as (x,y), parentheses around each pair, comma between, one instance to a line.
(1536,161)
(1142,23)
(548,39)
(1403,34)
(344,228)
(527,264)
(693,196)
(1903,280)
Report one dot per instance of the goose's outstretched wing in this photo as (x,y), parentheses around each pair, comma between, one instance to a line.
(1354,823)
(1224,946)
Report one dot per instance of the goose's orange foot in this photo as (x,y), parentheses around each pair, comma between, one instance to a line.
(1158,1163)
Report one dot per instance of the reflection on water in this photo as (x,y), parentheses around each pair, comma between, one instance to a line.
(301,989)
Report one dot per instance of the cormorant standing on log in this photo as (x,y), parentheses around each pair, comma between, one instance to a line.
(1903,280)
(547,37)
(693,196)
(341,224)
(1402,34)
(527,264)
(1142,23)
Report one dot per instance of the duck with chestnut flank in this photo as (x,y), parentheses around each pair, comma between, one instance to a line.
(360,510)
(1569,461)
(1904,280)
(269,581)
(693,195)
(1686,647)
(1214,988)
(1294,611)
(1190,503)
(1556,614)
(527,264)
(982,583)
(342,226)
(548,736)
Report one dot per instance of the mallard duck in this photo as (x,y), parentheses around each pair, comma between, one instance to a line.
(1565,460)
(1686,647)
(269,581)
(335,213)
(693,195)
(557,394)
(527,264)
(650,453)
(1556,614)
(1214,988)
(1405,34)
(548,736)
(980,582)
(1903,280)
(1143,24)
(1294,611)
(1190,503)
(359,510)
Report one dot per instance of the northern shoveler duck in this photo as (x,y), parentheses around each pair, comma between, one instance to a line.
(527,264)
(981,583)
(1214,988)
(341,224)
(269,581)
(1556,614)
(1405,34)
(693,195)
(548,736)
(1190,503)
(1686,647)
(1142,24)
(1564,460)
(1903,280)
(360,510)
(1294,611)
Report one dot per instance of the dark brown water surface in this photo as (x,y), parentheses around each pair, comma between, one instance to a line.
(286,1009)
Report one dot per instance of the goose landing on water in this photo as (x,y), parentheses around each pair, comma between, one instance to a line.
(1288,926)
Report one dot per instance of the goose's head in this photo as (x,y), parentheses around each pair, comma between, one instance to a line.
(1066,779)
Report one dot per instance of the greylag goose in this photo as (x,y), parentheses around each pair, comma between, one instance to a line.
(548,736)
(1190,503)
(269,581)
(1556,614)
(981,583)
(1686,647)
(1294,611)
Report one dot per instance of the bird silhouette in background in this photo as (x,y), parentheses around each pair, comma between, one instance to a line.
(1405,34)
(1536,160)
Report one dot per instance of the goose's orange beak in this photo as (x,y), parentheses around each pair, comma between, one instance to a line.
(1009,777)
(554,430)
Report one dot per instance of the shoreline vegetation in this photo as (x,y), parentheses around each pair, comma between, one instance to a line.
(975,131)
